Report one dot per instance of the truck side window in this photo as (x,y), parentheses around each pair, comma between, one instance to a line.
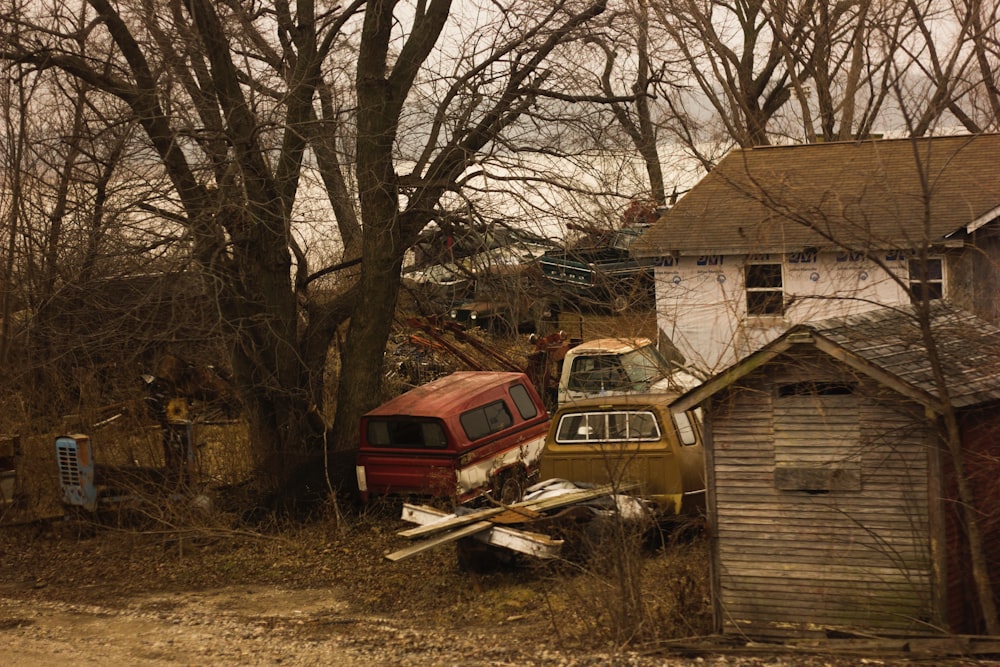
(522,401)
(582,427)
(643,426)
(685,428)
(632,426)
(481,422)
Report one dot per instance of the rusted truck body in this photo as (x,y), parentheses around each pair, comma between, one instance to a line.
(630,439)
(459,437)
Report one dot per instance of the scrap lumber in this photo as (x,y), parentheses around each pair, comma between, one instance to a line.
(491,525)
(532,506)
(438,540)
(521,541)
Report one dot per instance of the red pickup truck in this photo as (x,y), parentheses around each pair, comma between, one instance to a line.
(459,437)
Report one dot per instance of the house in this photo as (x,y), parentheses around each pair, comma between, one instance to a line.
(831,496)
(778,235)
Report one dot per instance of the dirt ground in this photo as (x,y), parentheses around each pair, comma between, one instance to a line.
(322,593)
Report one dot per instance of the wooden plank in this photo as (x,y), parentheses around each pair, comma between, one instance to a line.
(542,505)
(521,541)
(424,515)
(518,515)
(438,540)
(792,477)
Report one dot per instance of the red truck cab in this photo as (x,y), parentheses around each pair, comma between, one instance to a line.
(458,438)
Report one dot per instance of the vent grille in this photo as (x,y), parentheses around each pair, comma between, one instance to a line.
(69,465)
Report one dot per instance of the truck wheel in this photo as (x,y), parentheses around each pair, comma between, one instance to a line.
(510,486)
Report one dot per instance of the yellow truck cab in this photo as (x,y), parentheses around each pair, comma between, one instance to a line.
(632,438)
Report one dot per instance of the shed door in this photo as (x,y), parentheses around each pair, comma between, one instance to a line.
(817,431)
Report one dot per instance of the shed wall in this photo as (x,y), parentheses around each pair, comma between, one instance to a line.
(843,543)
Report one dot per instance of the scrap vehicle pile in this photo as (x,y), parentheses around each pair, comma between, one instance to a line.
(480,440)
(178,396)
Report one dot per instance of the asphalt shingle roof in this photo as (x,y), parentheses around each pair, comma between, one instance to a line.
(890,339)
(862,195)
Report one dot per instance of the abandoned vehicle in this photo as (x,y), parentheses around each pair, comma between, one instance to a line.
(612,366)
(626,440)
(459,437)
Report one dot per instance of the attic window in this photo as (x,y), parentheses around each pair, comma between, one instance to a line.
(765,294)
(926,279)
(816,389)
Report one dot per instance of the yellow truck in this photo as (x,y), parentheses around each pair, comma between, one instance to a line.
(630,439)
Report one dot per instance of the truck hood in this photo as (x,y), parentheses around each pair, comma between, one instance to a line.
(678,381)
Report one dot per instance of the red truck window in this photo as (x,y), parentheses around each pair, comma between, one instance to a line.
(523,402)
(406,433)
(490,418)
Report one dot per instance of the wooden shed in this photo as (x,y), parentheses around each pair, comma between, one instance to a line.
(830,490)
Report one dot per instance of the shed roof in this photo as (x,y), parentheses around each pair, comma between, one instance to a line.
(887,345)
(847,195)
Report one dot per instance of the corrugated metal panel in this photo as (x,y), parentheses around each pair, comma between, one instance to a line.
(794,562)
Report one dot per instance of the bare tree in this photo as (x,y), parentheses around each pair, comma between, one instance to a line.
(985,99)
(628,35)
(237,100)
(15,94)
(734,60)
(838,63)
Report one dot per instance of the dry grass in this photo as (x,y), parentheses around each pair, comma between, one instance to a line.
(183,549)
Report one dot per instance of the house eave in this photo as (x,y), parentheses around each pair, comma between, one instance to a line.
(983,220)
(757,250)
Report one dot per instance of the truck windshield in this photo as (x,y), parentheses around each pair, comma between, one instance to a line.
(407,433)
(645,364)
(630,371)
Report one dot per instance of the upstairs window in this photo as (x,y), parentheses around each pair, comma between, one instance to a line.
(765,293)
(926,279)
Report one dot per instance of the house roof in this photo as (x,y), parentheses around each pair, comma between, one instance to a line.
(846,195)
(886,344)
